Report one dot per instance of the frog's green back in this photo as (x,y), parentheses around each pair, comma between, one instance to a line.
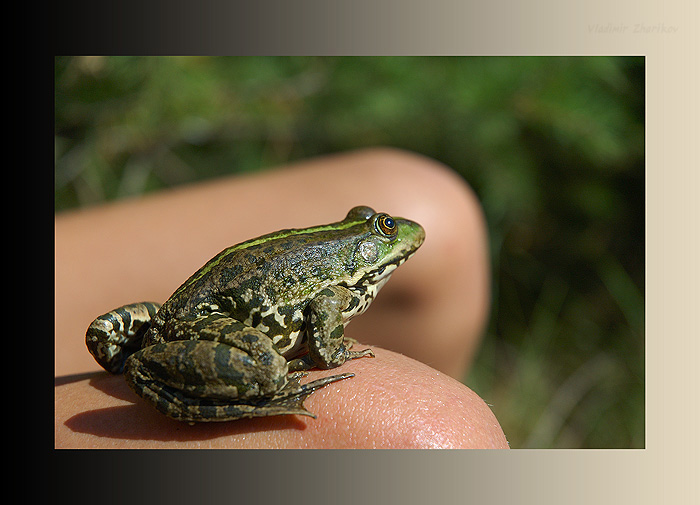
(268,281)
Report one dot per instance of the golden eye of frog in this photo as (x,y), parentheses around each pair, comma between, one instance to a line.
(233,341)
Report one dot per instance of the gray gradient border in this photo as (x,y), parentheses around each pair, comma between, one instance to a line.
(665,33)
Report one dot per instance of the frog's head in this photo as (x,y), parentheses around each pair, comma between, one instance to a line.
(384,244)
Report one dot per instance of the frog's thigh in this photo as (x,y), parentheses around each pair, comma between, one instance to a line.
(180,378)
(253,344)
(205,369)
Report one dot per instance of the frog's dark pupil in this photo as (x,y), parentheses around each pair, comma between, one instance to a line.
(387,225)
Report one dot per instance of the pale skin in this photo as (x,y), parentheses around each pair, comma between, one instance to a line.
(424,327)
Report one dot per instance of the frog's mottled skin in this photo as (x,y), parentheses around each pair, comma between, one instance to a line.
(234,339)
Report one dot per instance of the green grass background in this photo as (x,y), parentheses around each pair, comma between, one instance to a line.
(553,146)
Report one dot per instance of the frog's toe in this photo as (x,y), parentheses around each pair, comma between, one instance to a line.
(295,389)
(290,399)
(360,354)
(296,376)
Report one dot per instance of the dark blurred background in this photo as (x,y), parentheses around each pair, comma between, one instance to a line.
(553,147)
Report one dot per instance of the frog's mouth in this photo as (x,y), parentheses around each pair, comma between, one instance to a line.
(382,274)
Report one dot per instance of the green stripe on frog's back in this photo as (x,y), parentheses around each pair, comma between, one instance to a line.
(270,237)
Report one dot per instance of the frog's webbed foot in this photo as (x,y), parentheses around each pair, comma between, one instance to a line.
(290,399)
(349,343)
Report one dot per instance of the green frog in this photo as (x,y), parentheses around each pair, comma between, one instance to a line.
(235,339)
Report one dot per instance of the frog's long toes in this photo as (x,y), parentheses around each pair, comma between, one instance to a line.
(319,383)
(294,389)
(361,354)
(291,398)
(296,376)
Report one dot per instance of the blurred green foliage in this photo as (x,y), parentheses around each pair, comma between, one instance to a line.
(553,146)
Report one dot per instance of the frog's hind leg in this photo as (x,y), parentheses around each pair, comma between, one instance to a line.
(114,336)
(289,400)
(205,381)
(173,403)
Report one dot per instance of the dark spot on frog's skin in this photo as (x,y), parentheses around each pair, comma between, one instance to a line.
(156,369)
(287,245)
(163,400)
(271,322)
(112,319)
(288,314)
(226,305)
(287,311)
(337,332)
(326,292)
(231,328)
(221,359)
(379,271)
(249,337)
(256,320)
(222,364)
(126,318)
(231,273)
(354,302)
(266,358)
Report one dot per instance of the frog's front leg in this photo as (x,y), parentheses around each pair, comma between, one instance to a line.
(325,327)
(224,371)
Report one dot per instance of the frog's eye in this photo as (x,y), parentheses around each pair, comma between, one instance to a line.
(385,225)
